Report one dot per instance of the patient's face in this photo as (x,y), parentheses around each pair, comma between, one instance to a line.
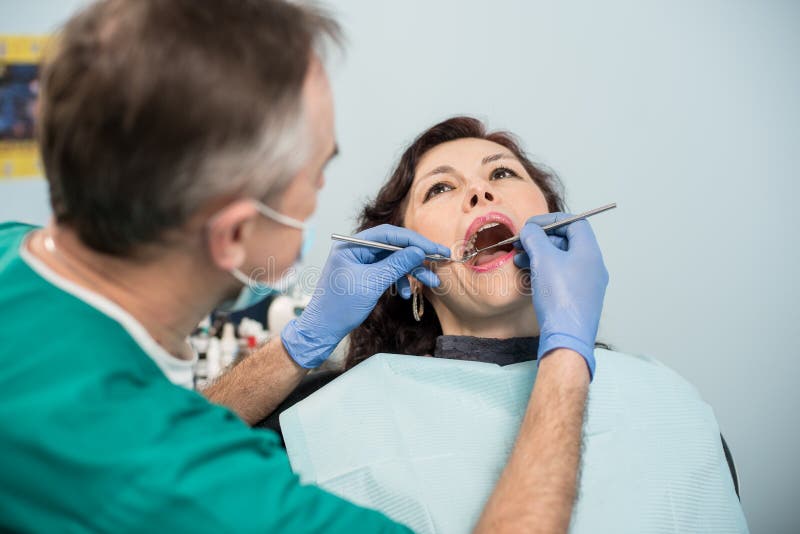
(473,191)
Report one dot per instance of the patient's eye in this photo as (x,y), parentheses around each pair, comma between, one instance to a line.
(436,189)
(503,172)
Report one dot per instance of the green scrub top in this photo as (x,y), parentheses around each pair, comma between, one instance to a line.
(94,437)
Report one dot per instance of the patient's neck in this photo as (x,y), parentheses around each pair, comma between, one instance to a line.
(513,322)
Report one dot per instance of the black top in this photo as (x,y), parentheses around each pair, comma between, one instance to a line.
(485,349)
(489,350)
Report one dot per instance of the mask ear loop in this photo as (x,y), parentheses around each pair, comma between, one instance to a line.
(306,228)
(241,277)
(277,216)
(249,281)
(250,284)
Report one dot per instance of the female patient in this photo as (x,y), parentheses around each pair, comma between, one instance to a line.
(461,186)
(649,440)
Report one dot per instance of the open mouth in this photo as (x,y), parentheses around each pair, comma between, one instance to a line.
(487,235)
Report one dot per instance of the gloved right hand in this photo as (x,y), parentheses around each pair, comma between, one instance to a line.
(352,281)
(568,279)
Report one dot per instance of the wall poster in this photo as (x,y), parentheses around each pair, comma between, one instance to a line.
(20,56)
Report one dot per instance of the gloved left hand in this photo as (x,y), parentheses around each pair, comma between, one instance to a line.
(352,281)
(569,279)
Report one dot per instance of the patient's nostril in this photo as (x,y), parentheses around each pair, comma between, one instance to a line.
(473,201)
(488,196)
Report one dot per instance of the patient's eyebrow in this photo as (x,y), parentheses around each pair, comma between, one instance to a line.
(447,169)
(495,157)
(441,169)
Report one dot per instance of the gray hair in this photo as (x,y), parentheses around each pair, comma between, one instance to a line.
(150,109)
(260,169)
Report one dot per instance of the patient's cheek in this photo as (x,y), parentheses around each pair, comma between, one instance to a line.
(533,205)
(429,227)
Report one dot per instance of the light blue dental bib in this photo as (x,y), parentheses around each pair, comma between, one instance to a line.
(424,440)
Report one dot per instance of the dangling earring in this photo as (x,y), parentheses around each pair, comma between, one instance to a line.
(417,306)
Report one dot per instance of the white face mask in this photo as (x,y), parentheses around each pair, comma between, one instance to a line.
(254,291)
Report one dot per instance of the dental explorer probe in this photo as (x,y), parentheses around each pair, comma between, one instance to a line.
(467,257)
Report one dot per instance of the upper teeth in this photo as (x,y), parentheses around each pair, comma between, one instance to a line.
(471,242)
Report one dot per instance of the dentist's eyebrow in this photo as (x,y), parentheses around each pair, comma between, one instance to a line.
(495,157)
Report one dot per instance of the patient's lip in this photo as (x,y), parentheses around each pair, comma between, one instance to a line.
(494,264)
(490,217)
(493,216)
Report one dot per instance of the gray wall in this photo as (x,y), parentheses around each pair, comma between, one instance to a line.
(686,113)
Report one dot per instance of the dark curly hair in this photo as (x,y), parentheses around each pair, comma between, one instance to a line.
(390,327)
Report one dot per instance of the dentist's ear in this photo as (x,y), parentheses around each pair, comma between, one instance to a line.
(228,231)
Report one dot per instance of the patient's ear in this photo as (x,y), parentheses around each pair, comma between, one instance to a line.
(416,285)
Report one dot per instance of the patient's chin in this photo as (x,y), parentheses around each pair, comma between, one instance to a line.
(505,283)
(503,287)
(497,288)
(497,291)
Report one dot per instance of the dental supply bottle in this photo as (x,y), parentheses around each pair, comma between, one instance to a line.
(229,345)
(201,336)
(213,358)
(199,341)
(251,335)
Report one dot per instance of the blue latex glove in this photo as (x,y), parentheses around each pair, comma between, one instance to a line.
(352,281)
(569,280)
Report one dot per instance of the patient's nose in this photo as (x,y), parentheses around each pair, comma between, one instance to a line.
(476,198)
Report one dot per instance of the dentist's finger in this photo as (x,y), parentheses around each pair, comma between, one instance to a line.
(404,287)
(403,237)
(399,264)
(426,276)
(556,240)
(559,242)
(522,260)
